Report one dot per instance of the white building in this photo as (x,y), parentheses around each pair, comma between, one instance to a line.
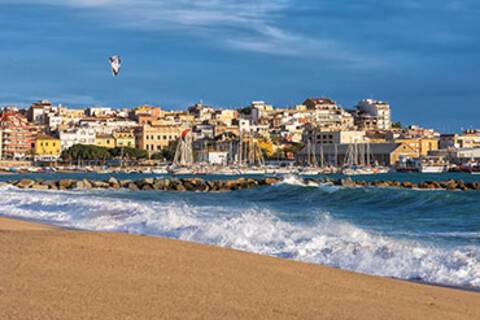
(99,112)
(318,136)
(328,115)
(107,126)
(379,110)
(259,109)
(75,136)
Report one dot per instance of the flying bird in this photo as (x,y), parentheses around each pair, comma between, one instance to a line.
(116,63)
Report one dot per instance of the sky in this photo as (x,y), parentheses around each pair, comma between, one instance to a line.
(422,56)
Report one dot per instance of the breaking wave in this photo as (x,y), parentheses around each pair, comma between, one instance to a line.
(323,239)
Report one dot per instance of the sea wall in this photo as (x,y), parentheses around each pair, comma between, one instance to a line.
(203,185)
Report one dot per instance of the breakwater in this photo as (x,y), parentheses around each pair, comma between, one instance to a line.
(242,183)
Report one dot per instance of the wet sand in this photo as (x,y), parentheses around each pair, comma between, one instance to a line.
(50,273)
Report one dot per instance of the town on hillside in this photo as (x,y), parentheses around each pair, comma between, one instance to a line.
(317,136)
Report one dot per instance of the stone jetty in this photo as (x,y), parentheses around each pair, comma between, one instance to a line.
(204,185)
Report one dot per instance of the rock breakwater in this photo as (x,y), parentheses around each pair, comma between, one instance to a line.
(204,185)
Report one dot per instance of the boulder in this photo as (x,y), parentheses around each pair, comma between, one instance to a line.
(132,187)
(125,183)
(38,186)
(461,185)
(407,184)
(449,185)
(100,184)
(271,181)
(148,180)
(347,182)
(25,183)
(114,183)
(476,185)
(83,184)
(180,187)
(147,187)
(160,184)
(64,184)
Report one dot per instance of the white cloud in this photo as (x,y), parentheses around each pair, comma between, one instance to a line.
(250,25)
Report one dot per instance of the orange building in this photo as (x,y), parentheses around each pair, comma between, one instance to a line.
(18,137)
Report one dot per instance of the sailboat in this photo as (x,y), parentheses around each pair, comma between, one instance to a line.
(250,158)
(315,167)
(358,161)
(183,159)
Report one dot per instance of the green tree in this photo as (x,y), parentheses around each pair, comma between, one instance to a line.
(85,152)
(128,153)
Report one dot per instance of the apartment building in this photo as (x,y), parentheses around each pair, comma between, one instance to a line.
(75,136)
(155,138)
(373,114)
(18,136)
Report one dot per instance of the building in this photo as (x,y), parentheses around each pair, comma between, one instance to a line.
(146,114)
(327,115)
(106,125)
(124,138)
(47,148)
(155,138)
(105,141)
(259,110)
(39,111)
(99,112)
(423,145)
(373,114)
(385,154)
(201,112)
(316,135)
(18,136)
(75,136)
(469,139)
(226,117)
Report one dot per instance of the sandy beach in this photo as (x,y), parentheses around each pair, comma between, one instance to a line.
(50,273)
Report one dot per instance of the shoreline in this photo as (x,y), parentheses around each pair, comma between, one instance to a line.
(53,271)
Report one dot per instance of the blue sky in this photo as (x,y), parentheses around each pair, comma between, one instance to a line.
(420,55)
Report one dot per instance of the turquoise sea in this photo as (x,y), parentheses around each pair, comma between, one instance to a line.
(429,236)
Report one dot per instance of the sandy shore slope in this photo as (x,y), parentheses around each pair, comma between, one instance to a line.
(48,273)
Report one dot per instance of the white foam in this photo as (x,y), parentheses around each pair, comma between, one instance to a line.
(327,241)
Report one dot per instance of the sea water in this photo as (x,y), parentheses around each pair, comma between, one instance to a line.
(430,236)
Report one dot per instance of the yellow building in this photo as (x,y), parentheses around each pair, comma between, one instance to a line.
(106,141)
(47,148)
(124,138)
(155,138)
(421,145)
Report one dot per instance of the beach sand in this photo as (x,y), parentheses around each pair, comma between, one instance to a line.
(50,273)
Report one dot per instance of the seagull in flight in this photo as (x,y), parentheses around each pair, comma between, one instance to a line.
(116,63)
